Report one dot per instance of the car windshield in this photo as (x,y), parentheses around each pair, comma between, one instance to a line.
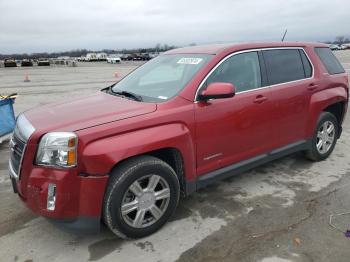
(163,77)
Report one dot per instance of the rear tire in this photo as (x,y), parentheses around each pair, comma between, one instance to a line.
(142,194)
(325,137)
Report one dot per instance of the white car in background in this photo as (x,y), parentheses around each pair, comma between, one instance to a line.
(114,59)
(344,47)
(334,47)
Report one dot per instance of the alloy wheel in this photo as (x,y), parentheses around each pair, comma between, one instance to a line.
(145,201)
(325,137)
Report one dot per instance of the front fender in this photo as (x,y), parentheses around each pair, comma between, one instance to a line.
(320,101)
(100,156)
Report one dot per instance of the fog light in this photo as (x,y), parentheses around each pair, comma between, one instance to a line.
(51,197)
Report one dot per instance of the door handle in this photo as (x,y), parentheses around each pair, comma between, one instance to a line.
(260,99)
(312,86)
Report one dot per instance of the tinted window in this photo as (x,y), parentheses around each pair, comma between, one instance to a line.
(242,70)
(306,63)
(283,65)
(329,60)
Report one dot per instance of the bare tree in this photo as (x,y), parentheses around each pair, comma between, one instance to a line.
(339,39)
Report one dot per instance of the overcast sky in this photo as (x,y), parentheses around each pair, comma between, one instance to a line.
(59,25)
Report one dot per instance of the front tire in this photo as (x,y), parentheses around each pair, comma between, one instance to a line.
(325,137)
(142,194)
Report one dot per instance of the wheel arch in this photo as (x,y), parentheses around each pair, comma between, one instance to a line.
(333,100)
(337,109)
(170,155)
(171,143)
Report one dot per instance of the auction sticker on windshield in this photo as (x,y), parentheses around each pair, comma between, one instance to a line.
(190,61)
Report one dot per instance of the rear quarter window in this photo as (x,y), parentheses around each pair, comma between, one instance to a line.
(329,60)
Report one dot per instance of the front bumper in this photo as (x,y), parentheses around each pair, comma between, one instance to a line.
(62,195)
(78,199)
(13,177)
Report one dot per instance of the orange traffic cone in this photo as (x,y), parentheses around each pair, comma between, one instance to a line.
(26,77)
(116,74)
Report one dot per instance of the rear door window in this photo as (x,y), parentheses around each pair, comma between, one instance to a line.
(329,60)
(283,65)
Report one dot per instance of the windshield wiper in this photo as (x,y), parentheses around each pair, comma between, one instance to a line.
(126,94)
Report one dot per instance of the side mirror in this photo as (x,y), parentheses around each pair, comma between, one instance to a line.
(218,90)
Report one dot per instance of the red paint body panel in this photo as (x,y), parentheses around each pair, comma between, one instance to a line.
(96,109)
(230,129)
(76,196)
(169,127)
(209,135)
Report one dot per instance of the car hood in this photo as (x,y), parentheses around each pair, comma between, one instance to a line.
(85,112)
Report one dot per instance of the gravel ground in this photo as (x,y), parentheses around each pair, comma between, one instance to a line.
(277,212)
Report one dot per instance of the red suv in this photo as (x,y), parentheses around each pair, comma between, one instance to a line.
(179,122)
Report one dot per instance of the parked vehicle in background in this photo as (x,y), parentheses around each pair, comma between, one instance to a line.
(153,55)
(90,57)
(43,62)
(114,59)
(81,59)
(64,58)
(10,62)
(127,57)
(93,57)
(124,57)
(26,62)
(101,56)
(137,57)
(145,57)
(183,120)
(335,47)
(343,47)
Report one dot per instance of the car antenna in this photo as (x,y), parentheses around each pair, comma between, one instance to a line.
(284,35)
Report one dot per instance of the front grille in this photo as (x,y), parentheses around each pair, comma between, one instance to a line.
(17,148)
(21,135)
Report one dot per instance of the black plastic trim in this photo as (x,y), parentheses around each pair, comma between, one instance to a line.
(191,187)
(246,165)
(263,70)
(14,185)
(340,131)
(79,225)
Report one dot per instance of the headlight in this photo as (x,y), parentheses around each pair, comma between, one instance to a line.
(58,149)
